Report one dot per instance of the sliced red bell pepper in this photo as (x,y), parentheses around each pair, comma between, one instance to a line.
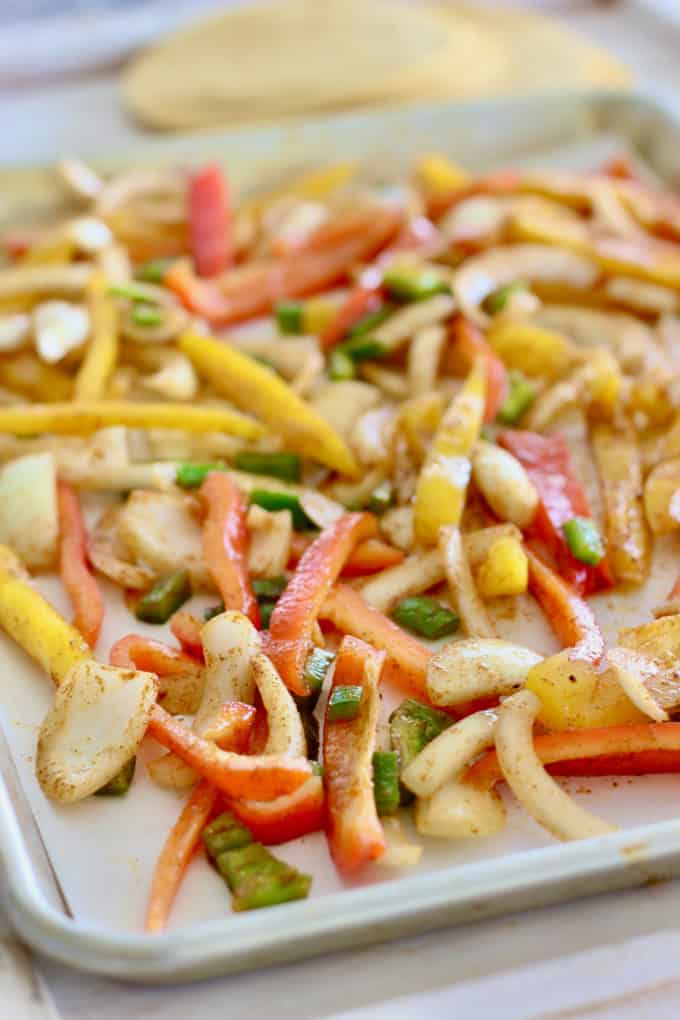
(470,343)
(367,558)
(569,616)
(210,221)
(548,463)
(257,287)
(407,659)
(627,750)
(360,301)
(137,652)
(176,854)
(502,182)
(286,818)
(355,834)
(187,629)
(298,606)
(261,777)
(79,581)
(225,543)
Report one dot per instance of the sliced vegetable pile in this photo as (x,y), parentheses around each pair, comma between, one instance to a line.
(311,433)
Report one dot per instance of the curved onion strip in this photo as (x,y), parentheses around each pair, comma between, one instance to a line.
(286,734)
(477,668)
(450,753)
(457,811)
(483,274)
(420,571)
(633,670)
(424,355)
(98,719)
(537,791)
(462,585)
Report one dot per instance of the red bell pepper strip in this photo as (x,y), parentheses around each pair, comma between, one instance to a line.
(137,652)
(502,182)
(210,221)
(360,301)
(368,557)
(627,750)
(470,343)
(298,606)
(176,854)
(548,463)
(569,616)
(286,818)
(355,834)
(261,777)
(407,659)
(225,543)
(256,288)
(79,581)
(187,629)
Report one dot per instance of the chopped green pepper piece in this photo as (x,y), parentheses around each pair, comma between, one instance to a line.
(317,666)
(583,540)
(269,587)
(277,465)
(266,610)
(165,598)
(362,348)
(412,726)
(212,611)
(414,284)
(258,879)
(518,399)
(424,615)
(274,501)
(386,781)
(154,270)
(497,301)
(146,314)
(382,498)
(370,321)
(340,366)
(344,702)
(191,475)
(317,768)
(226,832)
(288,316)
(119,785)
(131,291)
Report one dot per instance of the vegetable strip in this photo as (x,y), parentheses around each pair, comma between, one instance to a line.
(225,544)
(79,581)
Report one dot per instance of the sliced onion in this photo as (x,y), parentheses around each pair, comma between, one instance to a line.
(449,754)
(462,585)
(477,668)
(99,717)
(286,734)
(535,789)
(457,811)
(418,573)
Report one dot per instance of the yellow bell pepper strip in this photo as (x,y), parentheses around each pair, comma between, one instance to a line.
(617,456)
(407,659)
(471,343)
(530,349)
(260,777)
(176,854)
(79,581)
(101,353)
(26,374)
(443,480)
(225,544)
(568,614)
(438,175)
(634,750)
(34,624)
(297,608)
(82,419)
(254,387)
(354,831)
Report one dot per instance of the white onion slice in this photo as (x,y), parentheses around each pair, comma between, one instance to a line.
(450,753)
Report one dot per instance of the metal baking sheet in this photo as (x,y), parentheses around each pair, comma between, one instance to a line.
(76,878)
